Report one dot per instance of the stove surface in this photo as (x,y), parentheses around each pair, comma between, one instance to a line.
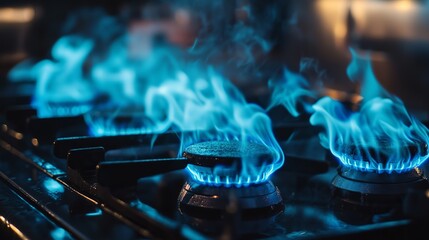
(68,198)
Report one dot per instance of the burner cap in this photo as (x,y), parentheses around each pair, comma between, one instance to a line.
(213,153)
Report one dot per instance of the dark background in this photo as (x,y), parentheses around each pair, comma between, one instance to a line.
(298,31)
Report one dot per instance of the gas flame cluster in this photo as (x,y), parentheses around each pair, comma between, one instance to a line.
(122,86)
(379,136)
(382,136)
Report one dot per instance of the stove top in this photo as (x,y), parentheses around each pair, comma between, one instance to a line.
(167,120)
(137,186)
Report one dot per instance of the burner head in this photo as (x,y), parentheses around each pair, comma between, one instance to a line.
(202,204)
(386,157)
(117,120)
(229,162)
(360,197)
(63,108)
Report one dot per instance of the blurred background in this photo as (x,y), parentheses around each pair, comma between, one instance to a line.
(281,34)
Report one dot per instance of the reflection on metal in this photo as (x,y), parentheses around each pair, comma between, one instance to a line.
(54,189)
(15,134)
(35,142)
(59,234)
(11,227)
(17,15)
(96,213)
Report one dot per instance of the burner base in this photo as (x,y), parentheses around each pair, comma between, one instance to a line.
(244,210)
(367,197)
(210,202)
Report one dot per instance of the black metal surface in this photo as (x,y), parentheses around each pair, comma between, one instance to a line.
(214,153)
(367,197)
(128,222)
(15,213)
(52,197)
(18,116)
(15,94)
(135,207)
(100,192)
(211,202)
(85,158)
(126,173)
(379,183)
(46,130)
(62,146)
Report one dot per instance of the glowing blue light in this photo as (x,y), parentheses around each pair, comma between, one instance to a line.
(104,129)
(222,176)
(61,110)
(53,186)
(60,234)
(96,213)
(292,92)
(381,137)
(160,82)
(61,88)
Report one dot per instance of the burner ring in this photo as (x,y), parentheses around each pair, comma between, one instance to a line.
(377,183)
(386,157)
(229,163)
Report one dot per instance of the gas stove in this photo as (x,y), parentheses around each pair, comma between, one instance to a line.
(168,120)
(136,186)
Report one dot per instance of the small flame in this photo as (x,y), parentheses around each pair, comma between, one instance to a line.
(381,136)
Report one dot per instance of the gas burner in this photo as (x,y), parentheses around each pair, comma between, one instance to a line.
(202,200)
(385,157)
(360,197)
(211,202)
(208,207)
(229,163)
(117,120)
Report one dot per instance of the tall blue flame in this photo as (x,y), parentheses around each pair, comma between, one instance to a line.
(381,136)
(213,109)
(149,86)
(61,87)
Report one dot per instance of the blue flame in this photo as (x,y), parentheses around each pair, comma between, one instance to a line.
(381,136)
(292,92)
(153,85)
(61,87)
(211,108)
(221,176)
